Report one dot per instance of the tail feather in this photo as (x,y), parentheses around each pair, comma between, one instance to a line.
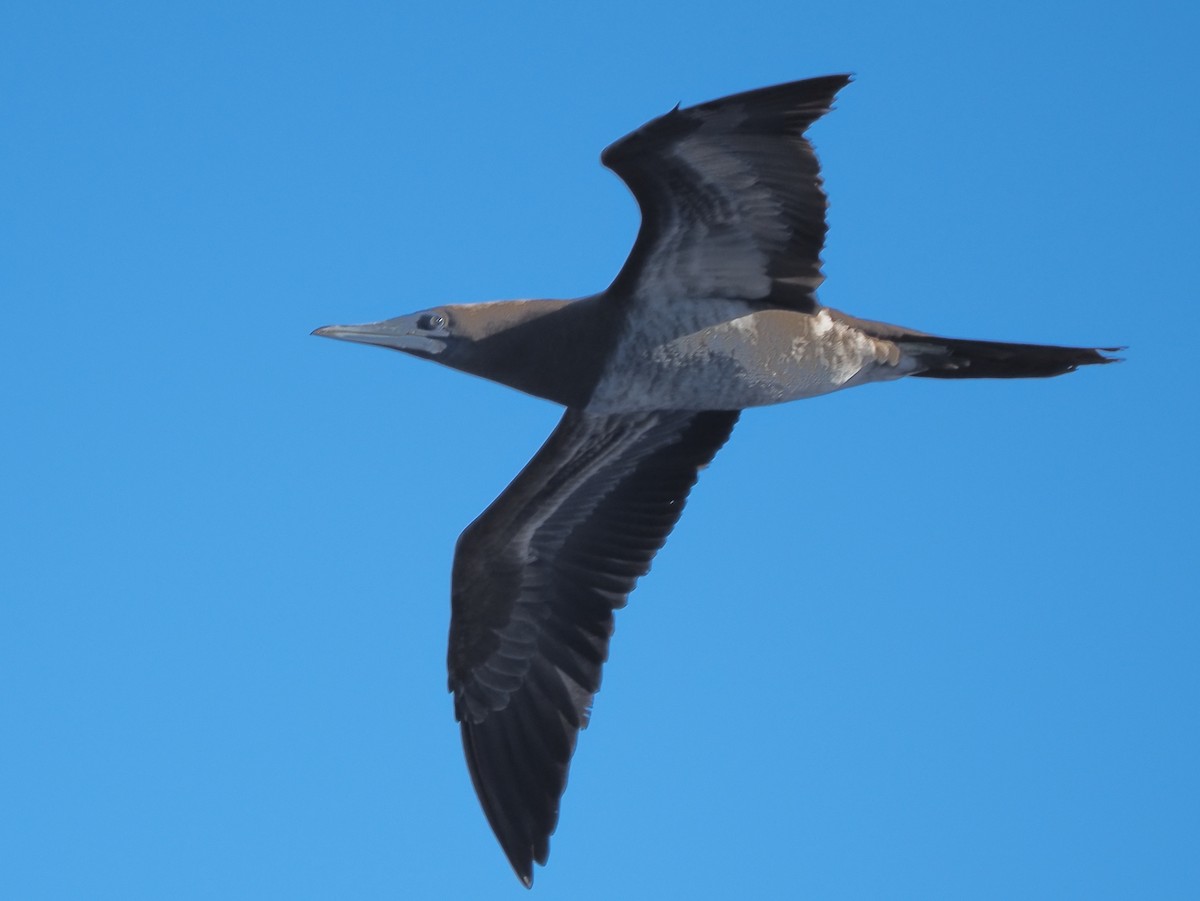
(958,358)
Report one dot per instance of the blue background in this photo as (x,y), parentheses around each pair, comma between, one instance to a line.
(919,640)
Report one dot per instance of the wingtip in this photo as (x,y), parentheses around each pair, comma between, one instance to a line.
(522,864)
(845,79)
(841,80)
(522,867)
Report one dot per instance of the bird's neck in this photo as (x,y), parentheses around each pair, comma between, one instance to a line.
(553,349)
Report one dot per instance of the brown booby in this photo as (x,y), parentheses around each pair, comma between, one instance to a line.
(715,310)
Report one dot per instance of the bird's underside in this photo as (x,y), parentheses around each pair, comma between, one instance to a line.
(715,310)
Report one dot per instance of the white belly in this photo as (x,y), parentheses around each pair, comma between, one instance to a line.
(766,357)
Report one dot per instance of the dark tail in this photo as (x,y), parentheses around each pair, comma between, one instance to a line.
(957,358)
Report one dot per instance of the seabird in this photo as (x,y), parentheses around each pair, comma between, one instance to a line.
(715,310)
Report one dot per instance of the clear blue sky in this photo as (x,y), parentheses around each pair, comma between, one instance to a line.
(916,640)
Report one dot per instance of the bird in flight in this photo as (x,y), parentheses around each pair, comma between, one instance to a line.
(715,310)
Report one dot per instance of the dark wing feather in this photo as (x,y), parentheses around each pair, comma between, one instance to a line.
(731,198)
(536,579)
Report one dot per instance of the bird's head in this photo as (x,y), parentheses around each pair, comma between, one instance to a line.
(530,345)
(424,334)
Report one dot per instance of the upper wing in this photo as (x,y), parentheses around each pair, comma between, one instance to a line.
(536,579)
(731,198)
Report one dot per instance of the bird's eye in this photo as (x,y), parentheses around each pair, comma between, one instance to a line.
(432,322)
